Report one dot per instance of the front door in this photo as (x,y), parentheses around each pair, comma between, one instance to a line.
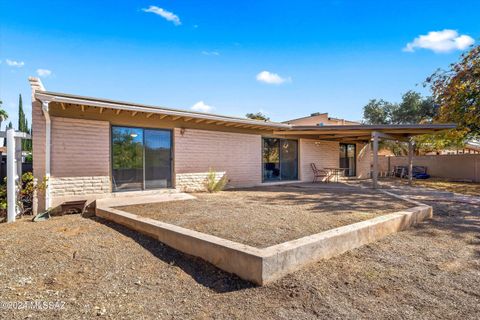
(141,159)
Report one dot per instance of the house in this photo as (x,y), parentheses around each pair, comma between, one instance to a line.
(91,148)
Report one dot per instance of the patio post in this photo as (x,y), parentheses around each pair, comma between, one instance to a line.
(375,160)
(12,176)
(410,162)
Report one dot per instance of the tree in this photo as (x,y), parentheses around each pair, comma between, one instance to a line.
(3,114)
(257,116)
(23,124)
(457,92)
(10,125)
(413,109)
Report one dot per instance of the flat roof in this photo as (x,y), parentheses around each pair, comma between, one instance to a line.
(364,131)
(130,106)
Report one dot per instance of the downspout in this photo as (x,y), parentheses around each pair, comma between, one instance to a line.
(48,138)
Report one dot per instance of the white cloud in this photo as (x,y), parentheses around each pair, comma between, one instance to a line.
(13,63)
(210,53)
(202,107)
(271,78)
(440,41)
(167,15)
(44,72)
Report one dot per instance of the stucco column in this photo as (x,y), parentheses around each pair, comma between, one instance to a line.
(375,160)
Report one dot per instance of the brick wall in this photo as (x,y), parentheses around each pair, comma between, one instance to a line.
(322,153)
(236,154)
(80,161)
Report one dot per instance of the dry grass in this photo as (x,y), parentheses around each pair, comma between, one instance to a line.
(265,216)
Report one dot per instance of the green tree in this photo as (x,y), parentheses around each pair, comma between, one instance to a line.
(413,109)
(3,114)
(10,125)
(457,92)
(23,124)
(257,116)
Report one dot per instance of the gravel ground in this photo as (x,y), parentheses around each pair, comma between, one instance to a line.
(265,216)
(103,270)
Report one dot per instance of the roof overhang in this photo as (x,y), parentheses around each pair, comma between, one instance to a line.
(174,114)
(364,132)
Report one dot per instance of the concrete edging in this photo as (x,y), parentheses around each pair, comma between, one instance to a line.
(262,266)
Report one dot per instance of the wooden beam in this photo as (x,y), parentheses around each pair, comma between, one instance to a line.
(101,110)
(210,121)
(118,111)
(199,120)
(187,119)
(163,116)
(63,105)
(149,115)
(175,118)
(375,160)
(134,113)
(83,108)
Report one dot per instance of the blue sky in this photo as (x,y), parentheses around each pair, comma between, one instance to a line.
(327,56)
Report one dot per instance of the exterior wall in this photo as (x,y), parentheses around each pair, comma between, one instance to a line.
(322,153)
(460,167)
(235,154)
(80,158)
(38,148)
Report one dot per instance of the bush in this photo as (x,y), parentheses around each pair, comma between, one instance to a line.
(27,188)
(212,184)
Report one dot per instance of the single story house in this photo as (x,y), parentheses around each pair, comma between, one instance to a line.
(91,148)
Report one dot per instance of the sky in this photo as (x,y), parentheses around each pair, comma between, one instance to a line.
(286,59)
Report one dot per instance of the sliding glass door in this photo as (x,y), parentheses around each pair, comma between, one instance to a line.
(141,158)
(348,159)
(280,159)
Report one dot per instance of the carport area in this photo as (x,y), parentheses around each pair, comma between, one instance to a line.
(369,134)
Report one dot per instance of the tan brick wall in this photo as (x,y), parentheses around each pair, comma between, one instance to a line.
(236,154)
(80,160)
(322,153)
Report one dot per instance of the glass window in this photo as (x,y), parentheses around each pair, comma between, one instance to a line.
(141,159)
(280,159)
(348,159)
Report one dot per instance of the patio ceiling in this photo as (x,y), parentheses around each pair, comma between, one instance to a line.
(363,132)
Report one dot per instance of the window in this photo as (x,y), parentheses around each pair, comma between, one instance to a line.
(141,159)
(280,159)
(348,159)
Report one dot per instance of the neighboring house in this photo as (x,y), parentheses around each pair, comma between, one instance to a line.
(91,148)
(319,119)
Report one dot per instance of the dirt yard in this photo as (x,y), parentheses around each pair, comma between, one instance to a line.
(101,269)
(467,188)
(265,216)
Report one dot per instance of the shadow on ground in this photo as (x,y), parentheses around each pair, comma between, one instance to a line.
(202,272)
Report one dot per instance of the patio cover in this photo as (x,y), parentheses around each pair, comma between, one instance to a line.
(367,133)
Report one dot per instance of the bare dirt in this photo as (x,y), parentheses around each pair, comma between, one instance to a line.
(103,270)
(266,216)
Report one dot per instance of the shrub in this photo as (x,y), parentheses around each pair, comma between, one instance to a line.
(212,184)
(27,188)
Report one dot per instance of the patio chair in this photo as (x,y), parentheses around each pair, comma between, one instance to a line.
(317,173)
